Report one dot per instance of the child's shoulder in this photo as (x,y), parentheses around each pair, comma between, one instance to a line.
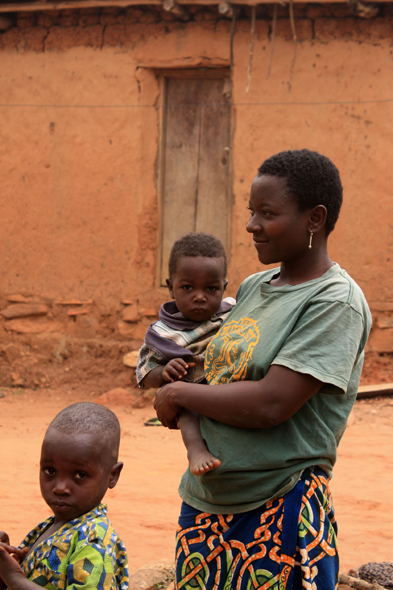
(94,527)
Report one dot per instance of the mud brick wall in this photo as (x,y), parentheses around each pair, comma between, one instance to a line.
(79,140)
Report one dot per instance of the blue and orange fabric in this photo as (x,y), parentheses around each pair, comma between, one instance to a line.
(85,553)
(288,543)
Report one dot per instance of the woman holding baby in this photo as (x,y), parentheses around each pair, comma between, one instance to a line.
(282,376)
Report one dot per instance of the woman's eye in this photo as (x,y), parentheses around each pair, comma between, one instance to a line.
(250,210)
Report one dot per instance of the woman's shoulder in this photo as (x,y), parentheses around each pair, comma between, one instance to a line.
(342,287)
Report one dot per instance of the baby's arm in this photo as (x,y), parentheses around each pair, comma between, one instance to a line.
(175,370)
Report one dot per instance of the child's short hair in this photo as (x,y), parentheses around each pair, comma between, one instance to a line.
(197,244)
(312,179)
(90,418)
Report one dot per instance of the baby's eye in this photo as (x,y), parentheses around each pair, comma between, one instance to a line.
(212,288)
(81,475)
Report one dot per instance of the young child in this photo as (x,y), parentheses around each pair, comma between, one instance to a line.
(174,347)
(77,547)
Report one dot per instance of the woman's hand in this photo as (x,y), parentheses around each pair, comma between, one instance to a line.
(165,406)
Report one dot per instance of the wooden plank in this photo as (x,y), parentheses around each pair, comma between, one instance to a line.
(197,73)
(375,390)
(160,167)
(213,202)
(69,4)
(180,172)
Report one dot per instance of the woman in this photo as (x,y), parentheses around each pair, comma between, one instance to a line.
(282,376)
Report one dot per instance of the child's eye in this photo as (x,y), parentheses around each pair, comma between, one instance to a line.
(81,475)
(187,287)
(212,288)
(49,471)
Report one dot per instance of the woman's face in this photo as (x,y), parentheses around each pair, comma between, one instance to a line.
(280,230)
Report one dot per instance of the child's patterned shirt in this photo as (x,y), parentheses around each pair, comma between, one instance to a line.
(84,553)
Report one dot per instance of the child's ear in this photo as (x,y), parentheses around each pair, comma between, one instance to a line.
(225,284)
(115,474)
(169,284)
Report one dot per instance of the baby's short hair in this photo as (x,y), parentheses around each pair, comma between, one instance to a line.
(90,418)
(196,244)
(312,179)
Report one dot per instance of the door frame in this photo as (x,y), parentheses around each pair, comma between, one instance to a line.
(163,76)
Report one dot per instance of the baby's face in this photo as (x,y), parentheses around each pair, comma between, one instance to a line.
(73,475)
(198,286)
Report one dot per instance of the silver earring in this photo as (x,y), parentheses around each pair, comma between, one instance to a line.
(310,242)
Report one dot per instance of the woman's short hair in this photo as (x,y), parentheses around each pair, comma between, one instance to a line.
(196,244)
(312,179)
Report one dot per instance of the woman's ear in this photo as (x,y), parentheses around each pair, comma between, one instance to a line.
(318,217)
(115,474)
(169,284)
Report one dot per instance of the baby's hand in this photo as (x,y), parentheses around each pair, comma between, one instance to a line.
(175,370)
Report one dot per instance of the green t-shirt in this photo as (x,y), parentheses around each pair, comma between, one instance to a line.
(319,328)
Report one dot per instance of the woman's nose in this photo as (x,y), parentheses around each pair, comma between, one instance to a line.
(252,225)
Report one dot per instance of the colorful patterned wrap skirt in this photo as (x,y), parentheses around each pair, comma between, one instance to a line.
(289,543)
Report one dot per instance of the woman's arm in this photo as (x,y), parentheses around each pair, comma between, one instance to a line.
(246,404)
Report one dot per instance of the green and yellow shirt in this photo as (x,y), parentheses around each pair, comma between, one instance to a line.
(85,553)
(319,328)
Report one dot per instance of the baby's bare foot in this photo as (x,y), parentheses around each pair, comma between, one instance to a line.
(202,461)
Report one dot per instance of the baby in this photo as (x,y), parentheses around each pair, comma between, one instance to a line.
(77,547)
(174,347)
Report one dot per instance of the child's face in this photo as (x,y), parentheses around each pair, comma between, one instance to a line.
(74,473)
(198,286)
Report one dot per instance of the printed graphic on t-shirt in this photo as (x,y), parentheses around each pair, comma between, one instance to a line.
(228,354)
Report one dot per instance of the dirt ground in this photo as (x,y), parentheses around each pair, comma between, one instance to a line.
(144,505)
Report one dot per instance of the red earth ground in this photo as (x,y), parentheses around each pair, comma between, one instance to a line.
(144,505)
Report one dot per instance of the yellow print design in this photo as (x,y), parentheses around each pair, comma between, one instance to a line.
(228,354)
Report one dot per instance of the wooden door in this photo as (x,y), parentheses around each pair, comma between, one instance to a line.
(195,161)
